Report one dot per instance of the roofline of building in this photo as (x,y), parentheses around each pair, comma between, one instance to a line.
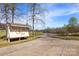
(16,25)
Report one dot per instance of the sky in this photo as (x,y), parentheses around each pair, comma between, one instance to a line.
(59,14)
(56,14)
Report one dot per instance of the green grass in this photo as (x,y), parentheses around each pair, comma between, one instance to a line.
(2,33)
(32,36)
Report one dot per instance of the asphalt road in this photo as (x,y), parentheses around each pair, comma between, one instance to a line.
(43,46)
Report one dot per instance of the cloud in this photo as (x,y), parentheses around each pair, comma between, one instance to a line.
(67,9)
(54,11)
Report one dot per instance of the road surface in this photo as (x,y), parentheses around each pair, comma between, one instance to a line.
(43,46)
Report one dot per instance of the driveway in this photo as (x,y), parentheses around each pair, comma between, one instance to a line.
(43,46)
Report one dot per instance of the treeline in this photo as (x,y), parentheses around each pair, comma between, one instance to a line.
(11,12)
(72,28)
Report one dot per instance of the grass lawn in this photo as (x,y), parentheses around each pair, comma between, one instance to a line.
(32,37)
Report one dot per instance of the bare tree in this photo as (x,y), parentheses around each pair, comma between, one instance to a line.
(16,12)
(5,12)
(5,15)
(36,10)
(13,8)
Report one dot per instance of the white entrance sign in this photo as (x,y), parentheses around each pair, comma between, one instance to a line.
(17,34)
(17,31)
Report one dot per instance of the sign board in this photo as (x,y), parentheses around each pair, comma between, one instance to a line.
(17,34)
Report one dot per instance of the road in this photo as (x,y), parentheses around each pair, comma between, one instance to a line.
(43,46)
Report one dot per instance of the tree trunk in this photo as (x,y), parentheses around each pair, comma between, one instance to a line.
(12,17)
(33,16)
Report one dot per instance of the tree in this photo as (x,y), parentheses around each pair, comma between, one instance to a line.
(5,15)
(13,8)
(9,13)
(6,12)
(71,27)
(73,21)
(15,11)
(36,10)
